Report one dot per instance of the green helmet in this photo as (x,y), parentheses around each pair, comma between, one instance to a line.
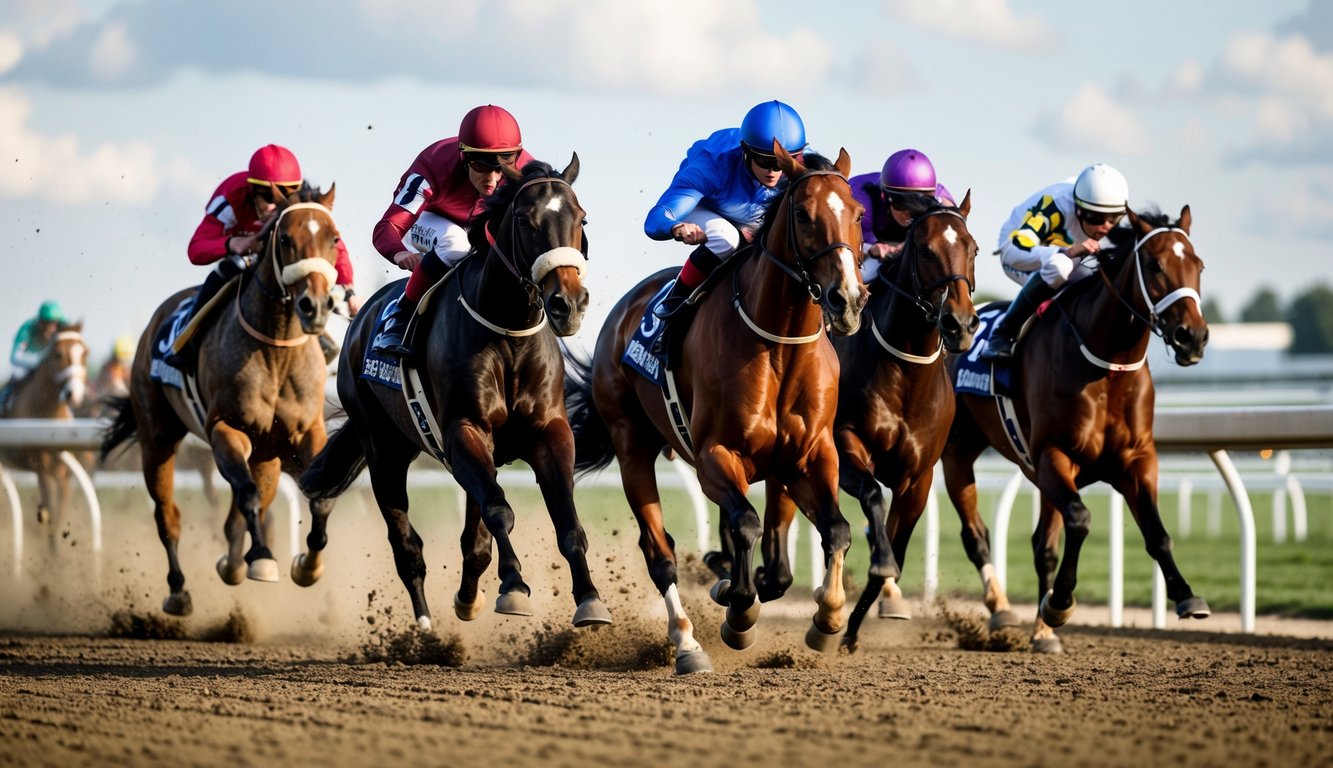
(50,313)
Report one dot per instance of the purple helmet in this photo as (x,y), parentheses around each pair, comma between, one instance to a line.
(908,170)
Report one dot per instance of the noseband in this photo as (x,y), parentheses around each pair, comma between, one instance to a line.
(910,258)
(1155,309)
(292,273)
(802,272)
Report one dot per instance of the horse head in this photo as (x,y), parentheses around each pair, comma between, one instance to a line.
(542,232)
(1168,271)
(822,231)
(939,262)
(303,247)
(66,361)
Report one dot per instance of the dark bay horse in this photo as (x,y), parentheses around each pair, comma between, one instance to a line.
(1084,397)
(261,381)
(493,375)
(895,398)
(55,389)
(758,379)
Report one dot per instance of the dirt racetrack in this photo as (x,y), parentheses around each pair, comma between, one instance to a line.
(275,675)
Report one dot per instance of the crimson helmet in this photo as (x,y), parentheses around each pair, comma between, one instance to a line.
(273,165)
(489,129)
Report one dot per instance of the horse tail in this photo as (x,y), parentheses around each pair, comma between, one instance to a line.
(593,449)
(336,467)
(122,428)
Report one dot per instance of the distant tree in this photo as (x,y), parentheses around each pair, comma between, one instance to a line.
(1311,318)
(1212,311)
(1263,308)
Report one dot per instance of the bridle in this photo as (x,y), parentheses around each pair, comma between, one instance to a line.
(911,257)
(802,272)
(286,276)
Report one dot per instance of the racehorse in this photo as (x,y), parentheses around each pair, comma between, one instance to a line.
(1083,399)
(494,375)
(895,398)
(758,381)
(55,389)
(261,383)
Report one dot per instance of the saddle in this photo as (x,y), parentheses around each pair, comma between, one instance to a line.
(415,321)
(205,315)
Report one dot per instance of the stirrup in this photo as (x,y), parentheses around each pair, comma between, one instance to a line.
(670,306)
(1003,351)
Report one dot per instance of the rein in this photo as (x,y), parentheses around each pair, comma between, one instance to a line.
(286,276)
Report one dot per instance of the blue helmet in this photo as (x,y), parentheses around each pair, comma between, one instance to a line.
(773,120)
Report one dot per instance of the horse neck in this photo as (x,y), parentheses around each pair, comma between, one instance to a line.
(1104,318)
(40,394)
(261,301)
(775,300)
(900,321)
(503,295)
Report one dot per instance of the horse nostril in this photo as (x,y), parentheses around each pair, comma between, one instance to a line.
(306,306)
(558,306)
(837,301)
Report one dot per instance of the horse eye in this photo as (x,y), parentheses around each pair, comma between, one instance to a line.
(286,240)
(1155,267)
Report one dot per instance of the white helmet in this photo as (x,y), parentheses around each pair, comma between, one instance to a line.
(1101,188)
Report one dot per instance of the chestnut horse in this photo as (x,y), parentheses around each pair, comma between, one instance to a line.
(1083,398)
(895,398)
(55,389)
(493,375)
(261,380)
(759,382)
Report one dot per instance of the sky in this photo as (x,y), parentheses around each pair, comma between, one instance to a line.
(119,118)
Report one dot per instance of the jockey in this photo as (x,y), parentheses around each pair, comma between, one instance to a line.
(720,193)
(425,228)
(30,345)
(892,197)
(235,214)
(1045,241)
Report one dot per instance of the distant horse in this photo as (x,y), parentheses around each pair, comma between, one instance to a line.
(493,375)
(55,389)
(758,381)
(895,399)
(261,381)
(1083,398)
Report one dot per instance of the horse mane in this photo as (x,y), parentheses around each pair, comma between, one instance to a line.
(813,162)
(498,202)
(1123,236)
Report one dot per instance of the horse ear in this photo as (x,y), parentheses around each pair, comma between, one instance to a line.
(966,206)
(571,171)
(844,163)
(786,163)
(326,199)
(1135,222)
(1185,219)
(511,173)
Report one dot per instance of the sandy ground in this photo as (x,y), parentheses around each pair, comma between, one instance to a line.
(91,673)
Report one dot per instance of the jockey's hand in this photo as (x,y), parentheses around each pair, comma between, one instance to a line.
(407,259)
(884,250)
(1085,248)
(354,303)
(690,234)
(243,244)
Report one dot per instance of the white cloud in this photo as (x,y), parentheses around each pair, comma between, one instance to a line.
(990,22)
(1289,86)
(884,70)
(11,50)
(1188,79)
(1305,206)
(1093,122)
(113,54)
(57,169)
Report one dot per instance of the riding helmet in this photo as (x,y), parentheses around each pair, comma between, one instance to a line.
(50,312)
(1101,188)
(773,120)
(272,165)
(908,170)
(489,129)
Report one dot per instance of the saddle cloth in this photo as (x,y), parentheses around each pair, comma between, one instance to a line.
(638,353)
(167,333)
(975,376)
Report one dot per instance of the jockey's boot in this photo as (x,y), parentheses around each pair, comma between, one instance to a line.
(181,356)
(392,339)
(1005,336)
(673,306)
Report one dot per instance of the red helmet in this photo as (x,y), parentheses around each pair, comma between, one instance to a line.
(273,165)
(489,129)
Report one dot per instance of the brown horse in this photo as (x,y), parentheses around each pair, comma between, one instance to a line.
(494,377)
(261,382)
(1083,399)
(55,389)
(895,399)
(759,382)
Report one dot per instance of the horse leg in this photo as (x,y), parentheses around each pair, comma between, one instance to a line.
(475,543)
(158,454)
(856,477)
(815,491)
(388,457)
(960,481)
(1046,557)
(1139,487)
(773,578)
(909,502)
(722,478)
(469,454)
(1055,478)
(45,488)
(231,450)
(720,560)
(307,567)
(552,462)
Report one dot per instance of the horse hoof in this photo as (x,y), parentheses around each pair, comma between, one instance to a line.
(232,576)
(43,515)
(469,611)
(894,608)
(738,640)
(851,643)
(591,611)
(178,604)
(302,577)
(1050,644)
(1001,619)
(424,623)
(693,663)
(719,591)
(514,604)
(263,569)
(817,639)
(1056,617)
(1193,608)
(718,563)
